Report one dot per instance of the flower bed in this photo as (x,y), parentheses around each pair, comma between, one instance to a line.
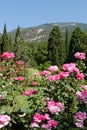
(51,99)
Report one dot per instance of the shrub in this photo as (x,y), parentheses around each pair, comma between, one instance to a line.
(50,99)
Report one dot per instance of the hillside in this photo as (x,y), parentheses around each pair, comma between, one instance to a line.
(41,32)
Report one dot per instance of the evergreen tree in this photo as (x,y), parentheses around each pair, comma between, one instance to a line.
(56,47)
(18,34)
(5,41)
(31,53)
(19,46)
(41,55)
(76,42)
(84,45)
(10,44)
(67,43)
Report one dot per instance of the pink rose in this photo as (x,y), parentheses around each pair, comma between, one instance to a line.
(51,78)
(53,68)
(45,73)
(80,76)
(54,107)
(80,55)
(79,124)
(52,123)
(20,63)
(84,87)
(80,116)
(34,83)
(29,92)
(82,96)
(35,73)
(39,118)
(34,124)
(4,120)
(46,126)
(69,67)
(7,55)
(63,75)
(20,78)
(78,93)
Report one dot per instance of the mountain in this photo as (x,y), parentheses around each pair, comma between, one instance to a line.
(41,32)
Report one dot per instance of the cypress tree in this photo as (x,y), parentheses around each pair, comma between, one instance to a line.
(41,55)
(10,44)
(56,47)
(19,46)
(18,34)
(76,43)
(84,45)
(67,43)
(5,40)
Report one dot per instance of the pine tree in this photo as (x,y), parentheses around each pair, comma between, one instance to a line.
(56,47)
(5,40)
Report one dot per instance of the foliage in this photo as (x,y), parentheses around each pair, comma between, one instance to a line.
(41,55)
(56,48)
(44,66)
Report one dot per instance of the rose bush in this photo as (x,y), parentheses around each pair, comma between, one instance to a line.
(55,98)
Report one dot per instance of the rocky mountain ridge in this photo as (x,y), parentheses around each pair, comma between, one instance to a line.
(41,32)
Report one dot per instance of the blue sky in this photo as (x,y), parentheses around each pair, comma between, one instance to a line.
(27,13)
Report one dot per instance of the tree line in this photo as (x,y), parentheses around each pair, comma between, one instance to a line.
(56,51)
(59,49)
